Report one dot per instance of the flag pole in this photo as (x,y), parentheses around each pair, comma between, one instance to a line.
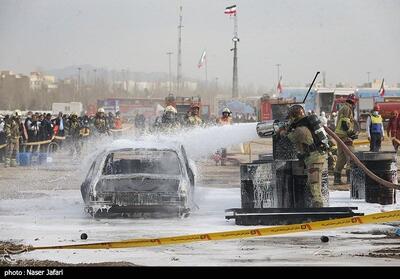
(205,69)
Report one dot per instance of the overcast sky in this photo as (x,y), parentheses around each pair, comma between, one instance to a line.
(344,38)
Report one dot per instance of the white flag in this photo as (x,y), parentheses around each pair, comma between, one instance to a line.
(202,59)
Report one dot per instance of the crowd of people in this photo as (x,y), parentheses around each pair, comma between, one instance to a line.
(39,129)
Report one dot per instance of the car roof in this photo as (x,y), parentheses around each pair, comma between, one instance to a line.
(130,144)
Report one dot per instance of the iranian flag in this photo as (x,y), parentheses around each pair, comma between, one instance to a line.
(279,86)
(382,89)
(202,59)
(231,10)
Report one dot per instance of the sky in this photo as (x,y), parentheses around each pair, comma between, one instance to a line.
(344,38)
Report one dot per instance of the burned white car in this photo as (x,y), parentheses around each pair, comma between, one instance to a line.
(140,179)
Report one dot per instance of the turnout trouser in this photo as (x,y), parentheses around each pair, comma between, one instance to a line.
(342,159)
(11,153)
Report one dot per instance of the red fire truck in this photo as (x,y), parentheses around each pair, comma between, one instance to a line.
(274,108)
(183,105)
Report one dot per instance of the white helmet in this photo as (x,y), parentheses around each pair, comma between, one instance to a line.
(226,110)
(170,109)
(101,110)
(17,113)
(323,113)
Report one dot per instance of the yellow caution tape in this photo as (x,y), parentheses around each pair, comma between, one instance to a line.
(359,142)
(238,234)
(38,142)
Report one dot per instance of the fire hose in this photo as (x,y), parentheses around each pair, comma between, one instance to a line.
(354,158)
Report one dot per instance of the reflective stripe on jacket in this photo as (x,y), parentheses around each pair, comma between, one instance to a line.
(376,124)
(339,127)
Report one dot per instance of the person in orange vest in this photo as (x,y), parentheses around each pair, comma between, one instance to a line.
(117,121)
(226,118)
(375,132)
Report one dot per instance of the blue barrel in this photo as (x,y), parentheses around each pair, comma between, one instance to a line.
(34,158)
(24,158)
(42,158)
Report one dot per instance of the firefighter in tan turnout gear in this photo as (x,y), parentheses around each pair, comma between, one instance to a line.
(12,133)
(194,119)
(309,151)
(345,129)
(101,123)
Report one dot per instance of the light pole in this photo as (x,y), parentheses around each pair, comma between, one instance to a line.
(169,53)
(94,82)
(79,81)
(368,77)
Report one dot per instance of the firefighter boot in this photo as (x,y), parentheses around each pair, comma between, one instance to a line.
(7,162)
(337,179)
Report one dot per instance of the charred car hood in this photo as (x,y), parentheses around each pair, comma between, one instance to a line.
(138,183)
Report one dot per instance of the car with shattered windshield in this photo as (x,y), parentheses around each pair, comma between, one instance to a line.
(140,179)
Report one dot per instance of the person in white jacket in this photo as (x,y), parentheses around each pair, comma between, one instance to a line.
(323,119)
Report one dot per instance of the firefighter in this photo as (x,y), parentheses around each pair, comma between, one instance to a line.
(74,134)
(226,118)
(345,129)
(310,153)
(393,129)
(170,119)
(101,122)
(13,135)
(375,132)
(117,121)
(194,119)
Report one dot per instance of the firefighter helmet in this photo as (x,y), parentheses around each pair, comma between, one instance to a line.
(351,99)
(101,110)
(17,113)
(226,110)
(170,109)
(296,112)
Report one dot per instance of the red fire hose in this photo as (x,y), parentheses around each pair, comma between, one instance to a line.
(353,157)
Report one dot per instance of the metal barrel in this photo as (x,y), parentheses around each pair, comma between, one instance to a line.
(384,165)
(270,183)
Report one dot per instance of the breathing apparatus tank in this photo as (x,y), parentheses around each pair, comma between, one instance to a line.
(318,132)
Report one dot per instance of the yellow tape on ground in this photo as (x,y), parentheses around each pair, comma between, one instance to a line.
(359,142)
(238,234)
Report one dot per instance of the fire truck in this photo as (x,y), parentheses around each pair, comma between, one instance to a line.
(183,105)
(274,108)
